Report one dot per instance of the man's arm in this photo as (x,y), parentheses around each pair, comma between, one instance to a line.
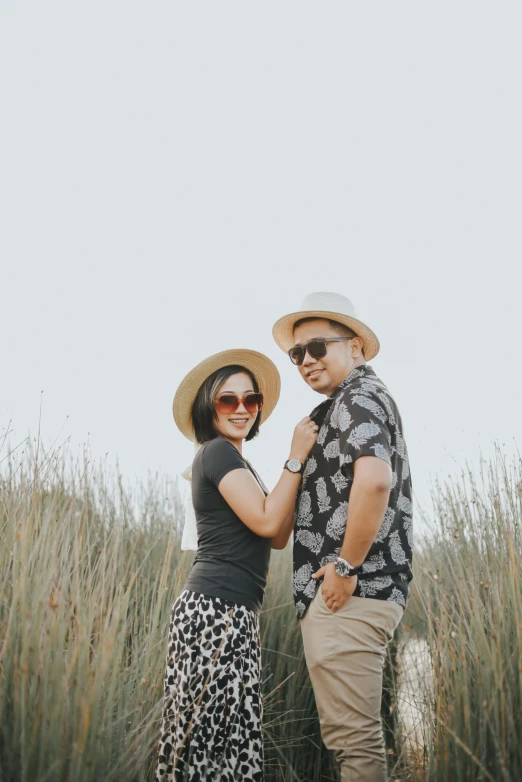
(369,499)
(367,505)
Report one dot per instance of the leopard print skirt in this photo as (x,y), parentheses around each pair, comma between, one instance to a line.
(212,709)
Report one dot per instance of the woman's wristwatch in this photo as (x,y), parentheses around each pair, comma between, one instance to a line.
(293,465)
(345,569)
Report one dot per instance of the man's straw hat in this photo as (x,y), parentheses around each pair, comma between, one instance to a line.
(332,306)
(263,369)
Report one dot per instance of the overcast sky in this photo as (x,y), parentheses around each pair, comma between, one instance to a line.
(176,176)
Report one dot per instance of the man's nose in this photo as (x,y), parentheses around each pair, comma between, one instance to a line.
(308,359)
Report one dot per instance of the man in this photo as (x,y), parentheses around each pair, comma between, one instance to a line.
(352,531)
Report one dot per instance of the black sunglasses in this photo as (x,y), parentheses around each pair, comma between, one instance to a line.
(316,348)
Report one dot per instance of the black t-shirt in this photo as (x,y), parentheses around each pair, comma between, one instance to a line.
(232,561)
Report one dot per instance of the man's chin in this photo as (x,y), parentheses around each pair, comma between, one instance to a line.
(321,384)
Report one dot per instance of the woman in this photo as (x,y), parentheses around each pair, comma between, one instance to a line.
(212,709)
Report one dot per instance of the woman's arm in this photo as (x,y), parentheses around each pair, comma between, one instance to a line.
(283,536)
(266,516)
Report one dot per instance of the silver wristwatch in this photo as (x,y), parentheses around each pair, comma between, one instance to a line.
(294,465)
(345,569)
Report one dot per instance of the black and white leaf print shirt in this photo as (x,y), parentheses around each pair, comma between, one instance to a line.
(360,419)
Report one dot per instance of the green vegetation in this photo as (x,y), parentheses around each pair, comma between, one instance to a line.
(89,571)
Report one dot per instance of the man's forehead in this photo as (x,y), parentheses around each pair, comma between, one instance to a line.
(318,327)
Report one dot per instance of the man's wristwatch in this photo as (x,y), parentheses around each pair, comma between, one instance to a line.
(294,465)
(345,569)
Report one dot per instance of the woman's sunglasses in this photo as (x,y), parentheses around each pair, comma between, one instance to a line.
(316,348)
(228,403)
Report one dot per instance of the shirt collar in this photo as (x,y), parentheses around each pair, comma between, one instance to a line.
(319,413)
(356,374)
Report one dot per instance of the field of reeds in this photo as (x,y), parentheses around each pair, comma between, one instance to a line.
(89,571)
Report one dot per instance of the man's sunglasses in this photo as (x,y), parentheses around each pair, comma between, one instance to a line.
(229,403)
(316,348)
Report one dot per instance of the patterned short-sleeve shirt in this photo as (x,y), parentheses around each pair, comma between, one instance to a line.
(359,419)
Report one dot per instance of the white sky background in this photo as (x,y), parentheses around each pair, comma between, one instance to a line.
(175,176)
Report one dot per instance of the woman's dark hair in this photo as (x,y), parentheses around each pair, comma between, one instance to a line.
(203,412)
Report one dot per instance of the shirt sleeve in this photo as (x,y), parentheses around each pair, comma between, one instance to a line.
(220,458)
(364,428)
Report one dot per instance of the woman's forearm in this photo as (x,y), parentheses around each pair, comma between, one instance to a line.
(263,515)
(280,540)
(281,500)
(266,515)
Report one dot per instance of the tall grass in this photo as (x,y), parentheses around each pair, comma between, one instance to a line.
(87,577)
(88,574)
(470,602)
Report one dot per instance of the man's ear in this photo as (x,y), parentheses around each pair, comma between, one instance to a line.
(357,347)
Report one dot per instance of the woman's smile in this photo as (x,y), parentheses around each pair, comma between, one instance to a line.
(239,422)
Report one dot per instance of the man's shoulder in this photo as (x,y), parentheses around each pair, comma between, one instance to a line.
(370,386)
(367,392)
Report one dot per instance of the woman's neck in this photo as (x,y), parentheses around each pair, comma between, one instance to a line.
(236,443)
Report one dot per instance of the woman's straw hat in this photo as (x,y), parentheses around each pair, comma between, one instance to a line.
(332,306)
(263,369)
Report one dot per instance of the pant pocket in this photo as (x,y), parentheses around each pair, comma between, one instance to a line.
(322,601)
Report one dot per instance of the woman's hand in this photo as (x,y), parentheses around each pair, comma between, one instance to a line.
(305,436)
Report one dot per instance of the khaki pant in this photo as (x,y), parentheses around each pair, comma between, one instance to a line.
(345,654)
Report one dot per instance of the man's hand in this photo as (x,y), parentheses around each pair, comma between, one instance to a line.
(336,589)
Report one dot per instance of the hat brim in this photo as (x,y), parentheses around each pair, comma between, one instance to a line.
(263,369)
(283,330)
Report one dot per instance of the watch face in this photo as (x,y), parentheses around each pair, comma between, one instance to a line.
(294,465)
(342,568)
